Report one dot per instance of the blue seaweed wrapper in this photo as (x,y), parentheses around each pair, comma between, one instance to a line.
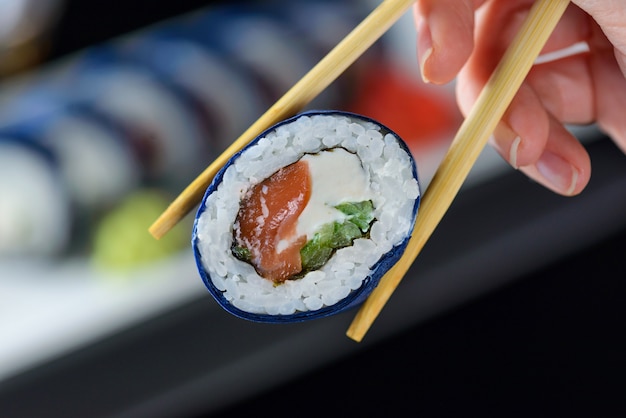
(356,297)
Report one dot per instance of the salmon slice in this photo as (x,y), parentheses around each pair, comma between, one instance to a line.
(267,219)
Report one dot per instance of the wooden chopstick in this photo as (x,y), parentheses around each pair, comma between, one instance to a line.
(465,149)
(303,92)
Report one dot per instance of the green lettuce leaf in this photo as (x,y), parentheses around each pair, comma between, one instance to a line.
(359,213)
(335,235)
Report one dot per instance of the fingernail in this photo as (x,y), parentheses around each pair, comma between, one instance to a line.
(504,135)
(425,46)
(425,57)
(558,172)
(513,152)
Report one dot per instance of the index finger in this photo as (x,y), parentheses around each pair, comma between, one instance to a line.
(445,38)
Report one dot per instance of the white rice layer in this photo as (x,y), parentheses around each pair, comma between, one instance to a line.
(394,187)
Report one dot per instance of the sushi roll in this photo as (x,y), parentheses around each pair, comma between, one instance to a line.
(94,157)
(254,37)
(304,221)
(164,131)
(35,208)
(221,89)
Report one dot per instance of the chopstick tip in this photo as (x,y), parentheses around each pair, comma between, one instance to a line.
(176,211)
(359,326)
(354,336)
(154,231)
(160,227)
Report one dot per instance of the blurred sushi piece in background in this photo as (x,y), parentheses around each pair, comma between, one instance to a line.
(236,60)
(91,158)
(158,120)
(324,23)
(94,159)
(71,188)
(224,93)
(35,209)
(276,55)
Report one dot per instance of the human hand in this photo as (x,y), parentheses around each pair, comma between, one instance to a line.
(465,39)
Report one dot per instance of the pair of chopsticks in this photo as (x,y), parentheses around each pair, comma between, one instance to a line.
(455,166)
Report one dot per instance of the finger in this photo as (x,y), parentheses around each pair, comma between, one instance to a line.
(445,36)
(534,141)
(491,43)
(530,138)
(610,88)
(573,28)
(521,135)
(564,165)
(565,89)
(611,17)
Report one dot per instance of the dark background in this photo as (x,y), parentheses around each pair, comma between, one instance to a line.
(550,344)
(73,25)
(84,23)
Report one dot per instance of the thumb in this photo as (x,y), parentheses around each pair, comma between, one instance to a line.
(611,17)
